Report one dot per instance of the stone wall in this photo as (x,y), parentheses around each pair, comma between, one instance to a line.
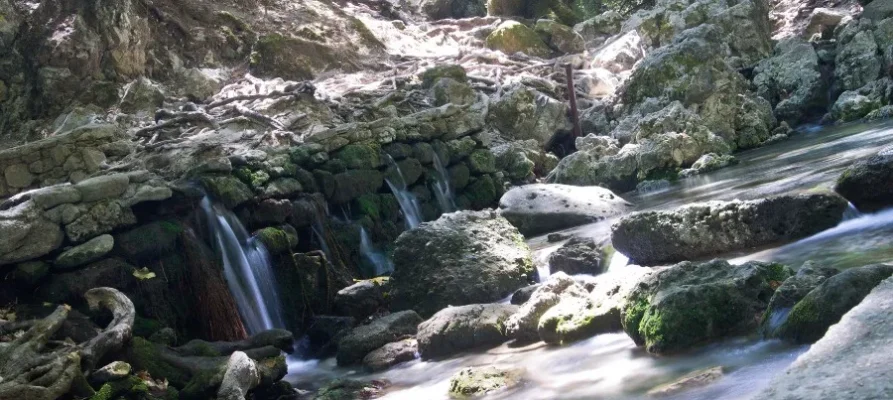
(70,157)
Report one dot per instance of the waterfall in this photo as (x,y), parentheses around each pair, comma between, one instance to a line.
(246,267)
(409,204)
(442,189)
(851,212)
(381,263)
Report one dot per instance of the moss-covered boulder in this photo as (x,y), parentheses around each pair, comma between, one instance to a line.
(828,302)
(462,258)
(561,38)
(522,325)
(512,37)
(351,184)
(360,156)
(693,303)
(794,289)
(479,381)
(456,329)
(868,184)
(481,161)
(523,113)
(227,189)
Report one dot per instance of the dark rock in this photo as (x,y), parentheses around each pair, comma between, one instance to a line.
(324,333)
(523,294)
(578,256)
(794,289)
(868,184)
(365,338)
(456,329)
(363,298)
(148,241)
(391,354)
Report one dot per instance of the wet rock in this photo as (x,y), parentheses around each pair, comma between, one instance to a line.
(868,184)
(363,298)
(478,381)
(365,338)
(692,303)
(26,234)
(852,105)
(862,337)
(31,272)
(522,325)
(704,229)
(101,217)
(523,113)
(227,189)
(540,208)
(391,354)
(791,80)
(355,183)
(142,95)
(512,37)
(324,333)
(443,9)
(340,389)
(85,253)
(578,256)
(462,258)
(690,381)
(794,289)
(707,163)
(857,62)
(456,329)
(112,372)
(560,38)
(829,301)
(523,294)
(148,241)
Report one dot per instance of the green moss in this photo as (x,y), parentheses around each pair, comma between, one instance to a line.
(145,355)
(453,71)
(777,273)
(360,155)
(132,386)
(633,313)
(145,327)
(369,204)
(482,161)
(275,240)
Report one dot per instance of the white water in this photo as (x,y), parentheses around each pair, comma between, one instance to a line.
(442,189)
(409,204)
(382,264)
(247,269)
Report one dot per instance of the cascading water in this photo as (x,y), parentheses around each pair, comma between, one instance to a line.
(851,212)
(442,189)
(381,263)
(409,204)
(247,268)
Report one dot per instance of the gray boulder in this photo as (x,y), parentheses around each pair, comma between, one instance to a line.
(26,234)
(362,299)
(830,369)
(791,80)
(357,343)
(829,301)
(456,329)
(578,256)
(857,62)
(878,10)
(523,294)
(85,253)
(692,303)
(522,325)
(704,229)
(465,257)
(391,354)
(523,113)
(479,381)
(794,289)
(541,208)
(868,184)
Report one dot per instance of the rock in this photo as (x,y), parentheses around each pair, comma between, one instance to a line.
(102,187)
(512,37)
(707,163)
(363,298)
(434,74)
(391,354)
(18,176)
(620,54)
(443,9)
(857,62)
(142,95)
(355,183)
(791,80)
(822,22)
(53,196)
(852,105)
(691,303)
(31,272)
(342,389)
(601,26)
(878,10)
(826,370)
(522,325)
(164,336)
(69,287)
(578,256)
(365,338)
(794,289)
(478,381)
(868,184)
(704,229)
(523,113)
(324,333)
(523,294)
(540,208)
(690,381)
(198,84)
(560,38)
(146,242)
(26,234)
(90,251)
(829,301)
(456,329)
(227,189)
(101,217)
(117,370)
(462,258)
(451,91)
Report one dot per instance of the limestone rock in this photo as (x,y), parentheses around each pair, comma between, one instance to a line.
(791,80)
(857,62)
(868,184)
(620,54)
(560,38)
(462,258)
(26,234)
(142,95)
(602,25)
(578,256)
(690,381)
(523,113)
(363,339)
(85,253)
(691,303)
(363,298)
(705,229)
(227,189)
(523,294)
(102,187)
(707,163)
(512,37)
(443,9)
(457,329)
(478,381)
(98,218)
(794,289)
(522,325)
(391,354)
(878,10)
(541,208)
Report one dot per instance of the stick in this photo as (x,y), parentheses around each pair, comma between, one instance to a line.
(572,98)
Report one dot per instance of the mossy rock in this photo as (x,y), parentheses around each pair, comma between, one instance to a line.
(148,241)
(478,381)
(482,161)
(513,37)
(144,355)
(360,156)
(276,240)
(130,387)
(432,75)
(483,192)
(227,189)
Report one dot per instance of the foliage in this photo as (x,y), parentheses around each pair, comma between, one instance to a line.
(592,8)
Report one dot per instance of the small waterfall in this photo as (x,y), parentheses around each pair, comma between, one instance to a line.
(409,204)
(618,260)
(851,212)
(381,263)
(247,268)
(442,189)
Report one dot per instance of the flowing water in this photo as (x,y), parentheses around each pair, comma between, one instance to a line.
(442,189)
(610,366)
(246,267)
(381,263)
(409,204)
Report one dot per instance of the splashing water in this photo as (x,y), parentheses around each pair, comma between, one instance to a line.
(851,212)
(442,189)
(246,267)
(381,263)
(409,204)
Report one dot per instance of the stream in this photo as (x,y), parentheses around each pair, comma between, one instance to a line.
(610,366)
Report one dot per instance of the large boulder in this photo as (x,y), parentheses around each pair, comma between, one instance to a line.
(578,256)
(857,62)
(25,233)
(831,368)
(456,329)
(794,289)
(512,37)
(522,325)
(363,339)
(692,303)
(829,301)
(465,257)
(541,208)
(791,80)
(704,229)
(868,184)
(523,113)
